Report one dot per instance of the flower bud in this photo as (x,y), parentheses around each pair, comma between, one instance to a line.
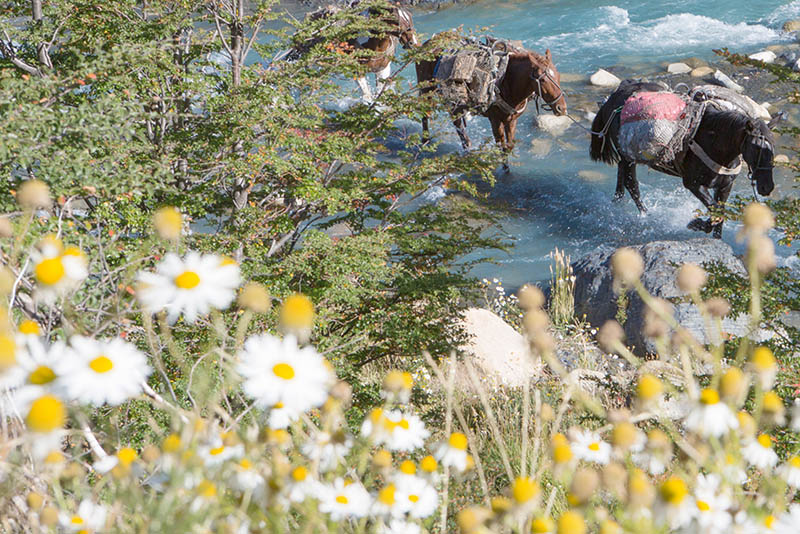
(761,254)
(542,525)
(168,222)
(535,321)
(733,385)
(524,490)
(34,194)
(649,387)
(764,365)
(397,384)
(610,335)
(747,425)
(718,307)
(470,520)
(654,324)
(297,312)
(758,218)
(547,413)
(571,522)
(691,278)
(49,516)
(773,408)
(501,505)
(530,298)
(625,435)
(35,500)
(584,484)
(6,229)
(382,459)
(614,479)
(255,297)
(627,266)
(640,491)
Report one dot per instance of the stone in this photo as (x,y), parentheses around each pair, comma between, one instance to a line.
(596,300)
(589,116)
(591,175)
(497,352)
(552,124)
(541,146)
(695,62)
(603,78)
(725,81)
(701,72)
(780,158)
(767,56)
(796,65)
(791,25)
(569,77)
(678,68)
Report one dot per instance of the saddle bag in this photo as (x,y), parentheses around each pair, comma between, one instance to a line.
(653,127)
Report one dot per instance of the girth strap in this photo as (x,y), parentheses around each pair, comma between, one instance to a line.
(711,164)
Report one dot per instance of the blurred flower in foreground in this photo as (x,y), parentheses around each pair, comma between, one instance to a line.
(589,447)
(759,452)
(454,452)
(57,270)
(168,222)
(193,286)
(344,499)
(398,431)
(297,315)
(89,518)
(711,417)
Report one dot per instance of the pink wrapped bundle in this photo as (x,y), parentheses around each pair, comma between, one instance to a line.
(648,106)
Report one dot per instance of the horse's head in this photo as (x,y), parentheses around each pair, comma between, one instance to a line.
(547,83)
(758,149)
(405,28)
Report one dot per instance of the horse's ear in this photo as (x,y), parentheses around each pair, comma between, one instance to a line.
(547,55)
(750,125)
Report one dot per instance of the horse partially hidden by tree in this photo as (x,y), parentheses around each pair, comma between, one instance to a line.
(526,75)
(709,162)
(396,26)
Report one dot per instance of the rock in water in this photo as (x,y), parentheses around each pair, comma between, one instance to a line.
(780,158)
(766,56)
(553,125)
(603,78)
(595,297)
(791,25)
(701,72)
(725,81)
(678,68)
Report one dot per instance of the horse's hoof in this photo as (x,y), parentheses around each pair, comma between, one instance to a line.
(699,225)
(717,233)
(618,197)
(506,168)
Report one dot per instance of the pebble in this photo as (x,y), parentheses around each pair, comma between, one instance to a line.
(791,25)
(767,56)
(723,79)
(603,78)
(678,68)
(701,72)
(780,158)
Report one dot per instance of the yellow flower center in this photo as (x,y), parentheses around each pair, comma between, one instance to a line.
(46,414)
(8,350)
(126,456)
(29,327)
(408,467)
(283,370)
(386,495)
(702,506)
(763,359)
(101,364)
(794,461)
(207,489)
(562,453)
(341,499)
(765,441)
(524,489)
(226,260)
(458,441)
(54,457)
(41,375)
(769,520)
(594,446)
(217,450)
(50,271)
(543,525)
(732,382)
(571,523)
(76,520)
(649,387)
(297,312)
(413,498)
(709,396)
(244,463)
(299,473)
(167,221)
(624,435)
(278,406)
(172,443)
(772,402)
(674,490)
(428,464)
(187,280)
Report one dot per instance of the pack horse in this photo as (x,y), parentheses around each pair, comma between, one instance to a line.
(700,137)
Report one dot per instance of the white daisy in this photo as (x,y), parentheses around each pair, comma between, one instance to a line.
(795,424)
(281,417)
(328,450)
(193,286)
(398,431)
(35,365)
(712,505)
(759,453)
(744,524)
(589,447)
(790,471)
(711,417)
(676,507)
(57,270)
(454,452)
(398,526)
(102,371)
(416,496)
(278,371)
(303,486)
(789,521)
(216,453)
(246,478)
(344,500)
(90,517)
(732,470)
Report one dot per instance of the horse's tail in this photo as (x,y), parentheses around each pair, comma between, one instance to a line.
(602,147)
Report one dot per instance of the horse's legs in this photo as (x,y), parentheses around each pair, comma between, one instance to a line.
(721,194)
(366,92)
(704,196)
(460,122)
(510,127)
(619,193)
(631,183)
(380,76)
(426,134)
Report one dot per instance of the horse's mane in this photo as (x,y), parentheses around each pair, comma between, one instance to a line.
(724,120)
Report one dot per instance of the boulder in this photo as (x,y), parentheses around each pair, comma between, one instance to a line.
(497,352)
(552,124)
(678,68)
(767,56)
(701,72)
(725,81)
(780,158)
(791,25)
(603,78)
(596,299)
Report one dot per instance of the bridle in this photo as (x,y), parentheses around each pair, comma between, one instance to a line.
(761,141)
(545,75)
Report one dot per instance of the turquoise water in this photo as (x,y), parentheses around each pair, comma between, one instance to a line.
(556,196)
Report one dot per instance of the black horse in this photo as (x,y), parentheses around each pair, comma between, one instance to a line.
(722,135)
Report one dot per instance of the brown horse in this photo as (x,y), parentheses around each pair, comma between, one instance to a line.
(527,75)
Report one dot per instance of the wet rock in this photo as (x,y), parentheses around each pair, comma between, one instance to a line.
(701,72)
(595,297)
(592,176)
(767,56)
(569,77)
(781,158)
(589,116)
(725,81)
(603,78)
(541,147)
(791,25)
(695,62)
(553,125)
(678,68)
